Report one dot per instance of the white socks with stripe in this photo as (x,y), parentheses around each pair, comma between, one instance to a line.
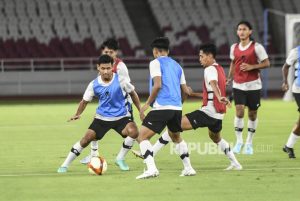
(94,149)
(161,142)
(183,151)
(239,126)
(75,151)
(127,145)
(224,146)
(252,125)
(147,151)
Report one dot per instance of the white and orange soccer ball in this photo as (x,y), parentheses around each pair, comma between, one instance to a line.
(97,165)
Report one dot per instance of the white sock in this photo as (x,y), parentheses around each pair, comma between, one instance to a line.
(292,140)
(161,142)
(127,144)
(75,151)
(94,149)
(224,146)
(147,151)
(252,125)
(239,126)
(183,151)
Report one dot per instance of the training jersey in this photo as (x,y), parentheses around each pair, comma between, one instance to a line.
(120,68)
(113,104)
(293,60)
(172,76)
(253,53)
(211,73)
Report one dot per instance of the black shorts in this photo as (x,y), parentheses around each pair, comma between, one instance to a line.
(101,127)
(297,99)
(200,119)
(157,120)
(251,99)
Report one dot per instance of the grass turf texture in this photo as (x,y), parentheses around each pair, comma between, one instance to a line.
(35,139)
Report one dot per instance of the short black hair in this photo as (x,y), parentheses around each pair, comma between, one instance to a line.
(105,59)
(246,23)
(209,48)
(110,43)
(161,43)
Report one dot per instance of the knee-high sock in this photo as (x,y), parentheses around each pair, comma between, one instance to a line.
(161,142)
(224,146)
(127,145)
(147,151)
(75,151)
(239,126)
(292,140)
(94,149)
(183,151)
(252,125)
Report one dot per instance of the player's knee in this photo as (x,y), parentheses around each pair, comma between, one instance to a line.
(252,115)
(240,111)
(176,138)
(133,132)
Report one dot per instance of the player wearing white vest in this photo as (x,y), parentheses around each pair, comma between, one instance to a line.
(167,82)
(247,58)
(110,47)
(112,112)
(293,60)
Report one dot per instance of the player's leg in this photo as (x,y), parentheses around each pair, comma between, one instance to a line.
(295,134)
(174,128)
(76,150)
(147,151)
(94,153)
(129,129)
(240,101)
(253,103)
(215,136)
(165,138)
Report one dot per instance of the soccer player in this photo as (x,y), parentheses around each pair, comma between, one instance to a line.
(214,107)
(167,81)
(247,58)
(112,113)
(293,59)
(110,47)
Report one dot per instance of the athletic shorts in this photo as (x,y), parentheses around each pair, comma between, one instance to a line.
(297,98)
(101,127)
(251,99)
(157,120)
(198,119)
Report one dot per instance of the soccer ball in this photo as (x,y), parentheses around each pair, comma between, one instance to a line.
(97,165)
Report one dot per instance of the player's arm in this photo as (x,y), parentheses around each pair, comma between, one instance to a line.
(247,67)
(217,93)
(285,72)
(81,107)
(87,97)
(230,73)
(155,89)
(136,100)
(187,91)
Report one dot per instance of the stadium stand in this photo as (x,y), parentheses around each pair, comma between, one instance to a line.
(69,28)
(190,23)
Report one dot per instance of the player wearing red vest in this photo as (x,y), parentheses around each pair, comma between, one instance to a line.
(110,47)
(211,113)
(247,58)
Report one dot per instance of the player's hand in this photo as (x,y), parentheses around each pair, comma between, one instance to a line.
(246,67)
(285,87)
(75,117)
(228,81)
(225,101)
(142,111)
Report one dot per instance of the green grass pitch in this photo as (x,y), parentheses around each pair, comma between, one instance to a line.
(35,139)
